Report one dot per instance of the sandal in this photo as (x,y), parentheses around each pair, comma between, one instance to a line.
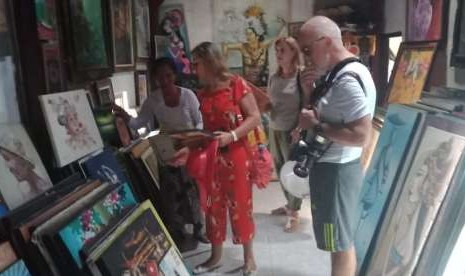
(281,211)
(292,223)
(200,269)
(249,272)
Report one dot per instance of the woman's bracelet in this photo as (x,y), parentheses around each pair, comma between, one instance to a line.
(234,135)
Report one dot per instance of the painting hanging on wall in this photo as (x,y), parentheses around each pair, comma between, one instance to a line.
(172,22)
(23,174)
(105,93)
(71,125)
(293,28)
(141,87)
(458,48)
(5,46)
(46,19)
(122,33)
(420,197)
(425,20)
(52,67)
(142,26)
(245,31)
(411,71)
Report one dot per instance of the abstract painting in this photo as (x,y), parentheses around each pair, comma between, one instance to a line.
(403,236)
(400,124)
(104,167)
(425,19)
(123,43)
(46,19)
(142,26)
(71,125)
(172,22)
(141,87)
(410,72)
(52,66)
(23,176)
(83,228)
(245,31)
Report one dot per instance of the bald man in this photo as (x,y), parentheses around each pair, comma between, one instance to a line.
(342,109)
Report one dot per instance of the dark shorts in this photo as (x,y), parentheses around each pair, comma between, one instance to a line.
(334,194)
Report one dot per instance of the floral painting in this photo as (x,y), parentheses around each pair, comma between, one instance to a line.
(23,176)
(71,125)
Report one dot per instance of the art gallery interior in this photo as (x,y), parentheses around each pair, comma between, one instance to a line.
(90,179)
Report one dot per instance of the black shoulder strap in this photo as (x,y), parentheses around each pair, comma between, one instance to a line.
(355,76)
(339,66)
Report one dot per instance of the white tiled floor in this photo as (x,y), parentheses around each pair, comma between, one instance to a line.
(277,253)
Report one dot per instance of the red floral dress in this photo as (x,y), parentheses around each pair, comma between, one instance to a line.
(230,188)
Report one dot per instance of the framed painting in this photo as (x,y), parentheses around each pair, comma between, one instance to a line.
(23,174)
(71,125)
(142,27)
(458,47)
(52,67)
(411,71)
(151,164)
(245,30)
(293,28)
(426,20)
(105,93)
(172,22)
(122,33)
(390,156)
(412,214)
(87,39)
(46,19)
(5,46)
(142,87)
(103,166)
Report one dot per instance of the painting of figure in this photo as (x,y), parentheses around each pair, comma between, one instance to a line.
(123,46)
(23,176)
(421,196)
(71,125)
(142,26)
(246,32)
(424,20)
(387,161)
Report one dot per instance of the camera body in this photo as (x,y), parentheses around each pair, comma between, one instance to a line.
(306,153)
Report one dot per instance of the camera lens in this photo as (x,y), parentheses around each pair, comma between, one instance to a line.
(301,171)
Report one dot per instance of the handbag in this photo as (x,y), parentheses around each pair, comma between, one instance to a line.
(260,159)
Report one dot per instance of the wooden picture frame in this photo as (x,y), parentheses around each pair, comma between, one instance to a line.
(142,86)
(293,28)
(458,47)
(87,39)
(411,71)
(426,20)
(105,93)
(122,34)
(142,28)
(53,70)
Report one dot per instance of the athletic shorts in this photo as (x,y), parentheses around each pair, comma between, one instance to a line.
(334,195)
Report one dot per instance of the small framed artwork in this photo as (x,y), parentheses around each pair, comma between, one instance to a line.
(142,27)
(458,48)
(294,27)
(411,70)
(105,92)
(142,87)
(122,33)
(425,19)
(46,19)
(53,67)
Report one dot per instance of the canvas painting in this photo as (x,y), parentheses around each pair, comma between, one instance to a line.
(121,21)
(141,249)
(16,269)
(104,167)
(141,87)
(245,30)
(71,125)
(422,193)
(380,178)
(425,19)
(172,22)
(52,67)
(151,164)
(142,22)
(9,111)
(88,34)
(23,176)
(46,19)
(410,72)
(83,228)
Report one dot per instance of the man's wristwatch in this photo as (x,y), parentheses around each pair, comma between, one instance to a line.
(318,128)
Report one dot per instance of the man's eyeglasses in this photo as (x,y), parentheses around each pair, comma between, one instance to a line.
(307,50)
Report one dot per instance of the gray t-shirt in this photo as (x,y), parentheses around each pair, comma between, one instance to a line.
(184,116)
(346,102)
(285,100)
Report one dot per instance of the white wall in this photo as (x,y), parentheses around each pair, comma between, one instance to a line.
(455,76)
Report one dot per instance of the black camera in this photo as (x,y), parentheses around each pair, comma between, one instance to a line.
(307,153)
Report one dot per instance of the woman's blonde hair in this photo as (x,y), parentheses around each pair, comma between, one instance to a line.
(297,59)
(212,59)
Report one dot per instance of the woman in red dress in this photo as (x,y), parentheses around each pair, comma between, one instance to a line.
(223,100)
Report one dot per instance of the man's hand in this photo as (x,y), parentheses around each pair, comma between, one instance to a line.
(119,111)
(308,118)
(308,77)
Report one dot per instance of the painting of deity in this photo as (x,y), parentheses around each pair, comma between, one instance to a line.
(23,176)
(421,195)
(122,30)
(425,19)
(400,124)
(71,125)
(172,22)
(83,228)
(410,72)
(142,26)
(246,30)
